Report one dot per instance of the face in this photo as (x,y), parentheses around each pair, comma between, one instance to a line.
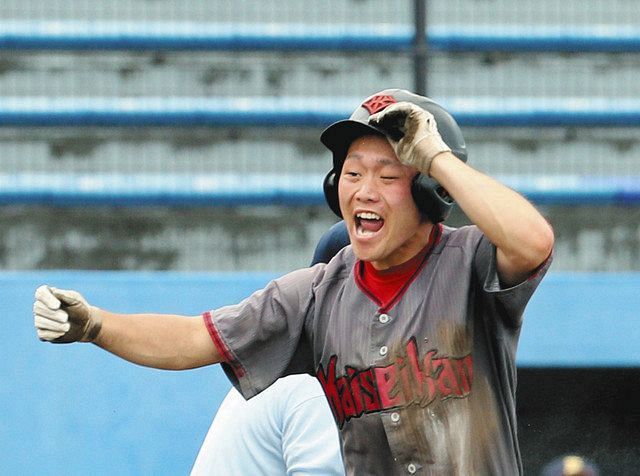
(375,199)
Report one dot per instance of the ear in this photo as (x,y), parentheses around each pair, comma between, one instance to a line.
(330,187)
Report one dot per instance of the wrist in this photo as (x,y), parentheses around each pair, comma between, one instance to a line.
(93,326)
(426,150)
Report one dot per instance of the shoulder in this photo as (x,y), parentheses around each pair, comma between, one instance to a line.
(301,385)
(337,269)
(292,392)
(464,237)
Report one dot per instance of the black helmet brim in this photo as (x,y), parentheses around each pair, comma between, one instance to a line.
(339,136)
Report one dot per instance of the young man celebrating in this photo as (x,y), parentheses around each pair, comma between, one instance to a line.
(411,330)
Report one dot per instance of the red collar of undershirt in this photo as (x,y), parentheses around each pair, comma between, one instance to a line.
(386,287)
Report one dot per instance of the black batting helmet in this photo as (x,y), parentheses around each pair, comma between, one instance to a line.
(431,198)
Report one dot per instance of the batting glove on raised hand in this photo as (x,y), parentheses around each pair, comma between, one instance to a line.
(62,316)
(413,134)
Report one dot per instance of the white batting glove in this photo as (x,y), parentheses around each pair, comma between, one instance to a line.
(413,134)
(61,316)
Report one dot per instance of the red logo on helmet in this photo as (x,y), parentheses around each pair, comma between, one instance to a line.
(378,103)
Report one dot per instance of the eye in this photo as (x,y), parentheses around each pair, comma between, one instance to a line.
(390,173)
(350,173)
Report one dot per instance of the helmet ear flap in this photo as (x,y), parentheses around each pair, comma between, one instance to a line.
(330,187)
(431,198)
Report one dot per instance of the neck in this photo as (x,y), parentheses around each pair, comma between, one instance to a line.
(410,249)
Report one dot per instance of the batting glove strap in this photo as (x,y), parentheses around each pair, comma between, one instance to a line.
(413,134)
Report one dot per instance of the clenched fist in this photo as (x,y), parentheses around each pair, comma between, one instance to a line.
(413,134)
(62,316)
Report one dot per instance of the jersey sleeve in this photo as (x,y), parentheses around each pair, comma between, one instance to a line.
(262,338)
(506,302)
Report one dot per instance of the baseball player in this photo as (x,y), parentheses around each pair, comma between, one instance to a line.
(411,330)
(570,465)
(287,429)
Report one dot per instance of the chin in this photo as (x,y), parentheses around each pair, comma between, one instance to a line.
(364,254)
(360,253)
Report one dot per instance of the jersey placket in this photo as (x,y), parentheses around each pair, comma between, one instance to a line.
(394,420)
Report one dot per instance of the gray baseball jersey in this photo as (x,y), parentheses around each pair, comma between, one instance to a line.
(426,386)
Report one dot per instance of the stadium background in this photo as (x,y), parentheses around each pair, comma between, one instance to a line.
(163,155)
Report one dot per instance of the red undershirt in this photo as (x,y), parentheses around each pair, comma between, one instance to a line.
(386,286)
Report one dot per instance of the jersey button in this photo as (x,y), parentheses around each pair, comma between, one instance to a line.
(384,350)
(411,468)
(395,417)
(383,318)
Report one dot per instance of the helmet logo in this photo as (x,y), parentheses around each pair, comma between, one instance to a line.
(378,103)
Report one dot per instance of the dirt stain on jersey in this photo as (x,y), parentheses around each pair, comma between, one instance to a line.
(449,435)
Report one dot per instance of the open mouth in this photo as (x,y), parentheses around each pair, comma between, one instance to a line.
(368,223)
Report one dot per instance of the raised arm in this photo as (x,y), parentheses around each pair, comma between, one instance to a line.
(154,340)
(523,238)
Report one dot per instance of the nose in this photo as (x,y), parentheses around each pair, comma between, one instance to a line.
(367,191)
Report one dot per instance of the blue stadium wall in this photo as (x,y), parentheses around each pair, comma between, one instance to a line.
(75,410)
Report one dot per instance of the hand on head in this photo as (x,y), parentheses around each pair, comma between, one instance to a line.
(413,134)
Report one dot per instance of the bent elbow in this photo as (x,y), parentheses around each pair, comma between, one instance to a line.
(547,241)
(525,255)
(540,246)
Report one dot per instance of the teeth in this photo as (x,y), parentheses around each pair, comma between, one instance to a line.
(368,216)
(363,232)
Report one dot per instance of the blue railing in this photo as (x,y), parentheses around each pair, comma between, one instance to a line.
(305,111)
(224,189)
(104,35)
(208,190)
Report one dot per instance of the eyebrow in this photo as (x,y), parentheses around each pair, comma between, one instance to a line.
(380,160)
